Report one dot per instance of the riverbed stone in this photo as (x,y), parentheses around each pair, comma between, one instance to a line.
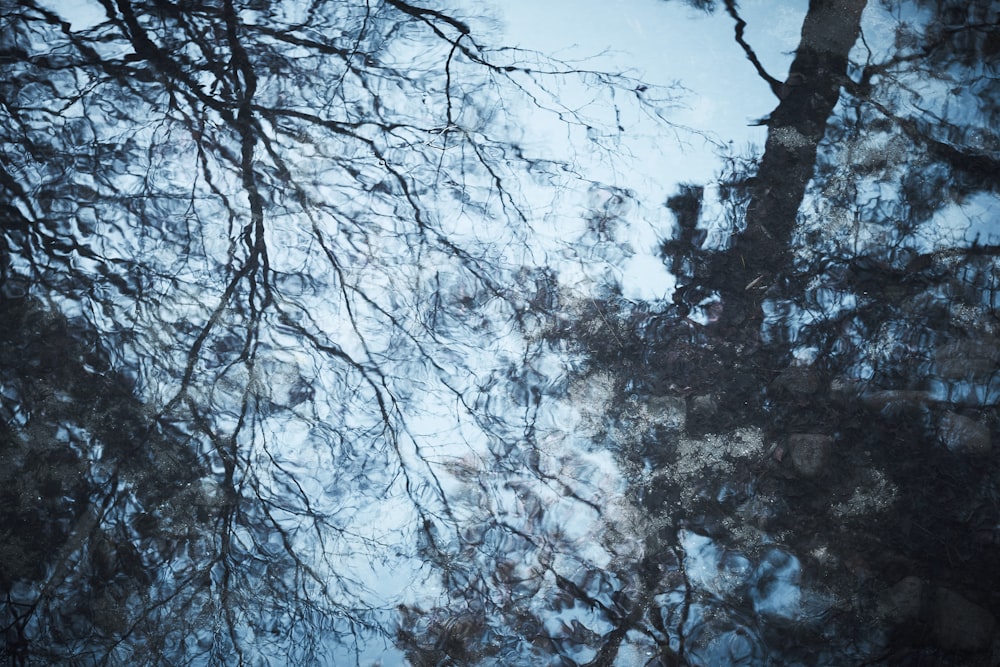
(959,624)
(702,410)
(897,400)
(668,411)
(809,452)
(845,390)
(903,601)
(964,435)
(974,359)
(798,380)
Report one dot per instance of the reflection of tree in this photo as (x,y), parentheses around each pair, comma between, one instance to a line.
(864,257)
(226,200)
(290,230)
(96,494)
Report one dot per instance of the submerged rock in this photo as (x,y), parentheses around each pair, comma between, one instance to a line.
(846,390)
(798,380)
(975,359)
(897,400)
(668,411)
(702,412)
(939,615)
(809,452)
(959,624)
(963,434)
(903,601)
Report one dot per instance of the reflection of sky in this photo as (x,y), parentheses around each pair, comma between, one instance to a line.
(80,14)
(662,43)
(962,224)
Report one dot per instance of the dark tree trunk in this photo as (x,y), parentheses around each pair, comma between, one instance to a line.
(758,265)
(796,126)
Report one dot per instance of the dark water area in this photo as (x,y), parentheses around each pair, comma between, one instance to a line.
(357,333)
